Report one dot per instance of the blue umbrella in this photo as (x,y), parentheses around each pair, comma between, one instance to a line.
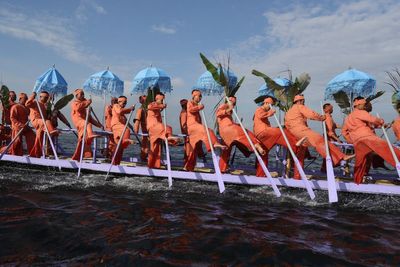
(208,86)
(265,91)
(52,82)
(151,77)
(104,83)
(353,82)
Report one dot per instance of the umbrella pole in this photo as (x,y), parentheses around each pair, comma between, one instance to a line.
(259,159)
(167,150)
(221,185)
(396,160)
(330,175)
(48,135)
(119,143)
(83,140)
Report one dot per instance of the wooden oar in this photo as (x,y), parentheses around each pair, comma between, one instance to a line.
(330,175)
(167,150)
(221,184)
(296,161)
(48,135)
(396,160)
(83,140)
(119,142)
(259,159)
(13,140)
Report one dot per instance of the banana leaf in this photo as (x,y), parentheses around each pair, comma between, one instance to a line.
(234,90)
(279,91)
(222,79)
(303,81)
(395,78)
(395,100)
(211,68)
(62,102)
(375,96)
(151,95)
(342,99)
(4,96)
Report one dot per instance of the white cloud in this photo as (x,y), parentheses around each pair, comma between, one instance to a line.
(163,29)
(57,35)
(363,35)
(85,6)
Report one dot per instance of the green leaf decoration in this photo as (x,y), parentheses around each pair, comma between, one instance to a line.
(395,78)
(63,101)
(234,90)
(395,100)
(4,95)
(375,96)
(279,91)
(342,99)
(302,82)
(210,67)
(151,95)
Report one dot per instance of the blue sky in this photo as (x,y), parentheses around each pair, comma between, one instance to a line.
(322,38)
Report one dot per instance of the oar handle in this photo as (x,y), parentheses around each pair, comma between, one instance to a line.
(389,143)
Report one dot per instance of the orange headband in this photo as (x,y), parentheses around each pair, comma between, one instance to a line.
(232,99)
(298,97)
(359,102)
(159,97)
(196,93)
(77,91)
(22,95)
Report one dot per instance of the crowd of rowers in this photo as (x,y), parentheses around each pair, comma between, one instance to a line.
(358,129)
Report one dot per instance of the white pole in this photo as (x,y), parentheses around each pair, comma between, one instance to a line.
(167,150)
(83,140)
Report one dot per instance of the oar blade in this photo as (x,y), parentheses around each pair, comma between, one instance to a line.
(221,185)
(332,191)
(303,176)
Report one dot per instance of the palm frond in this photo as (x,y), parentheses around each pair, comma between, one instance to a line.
(279,91)
(234,90)
(375,96)
(303,81)
(210,67)
(395,100)
(63,101)
(342,99)
(395,78)
(4,95)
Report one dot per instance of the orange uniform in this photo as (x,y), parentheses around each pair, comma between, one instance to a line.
(38,124)
(140,123)
(271,136)
(197,135)
(331,127)
(19,116)
(157,133)
(232,134)
(78,116)
(118,122)
(6,113)
(365,142)
(111,145)
(396,128)
(296,123)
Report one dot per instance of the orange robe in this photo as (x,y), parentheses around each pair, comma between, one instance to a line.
(157,133)
(6,113)
(197,135)
(19,116)
(78,116)
(140,123)
(365,142)
(396,128)
(38,124)
(232,134)
(296,123)
(111,145)
(118,122)
(331,127)
(271,136)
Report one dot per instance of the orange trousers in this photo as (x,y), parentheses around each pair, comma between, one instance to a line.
(154,156)
(36,150)
(124,143)
(16,148)
(192,151)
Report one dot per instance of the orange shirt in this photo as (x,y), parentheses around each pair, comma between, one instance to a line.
(183,121)
(154,114)
(297,115)
(140,120)
(118,115)
(224,118)
(19,116)
(107,117)
(261,121)
(396,128)
(358,124)
(330,125)
(346,132)
(193,114)
(33,108)
(78,110)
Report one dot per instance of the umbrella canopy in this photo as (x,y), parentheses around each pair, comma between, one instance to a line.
(104,83)
(352,82)
(208,86)
(151,77)
(265,91)
(52,82)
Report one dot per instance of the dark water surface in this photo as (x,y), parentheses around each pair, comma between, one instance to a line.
(53,218)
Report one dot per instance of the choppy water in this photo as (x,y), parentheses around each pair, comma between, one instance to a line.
(53,218)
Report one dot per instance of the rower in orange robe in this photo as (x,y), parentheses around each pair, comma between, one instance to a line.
(37,121)
(296,123)
(78,114)
(197,132)
(365,140)
(140,123)
(19,115)
(118,122)
(232,134)
(12,97)
(111,145)
(156,130)
(271,136)
(183,124)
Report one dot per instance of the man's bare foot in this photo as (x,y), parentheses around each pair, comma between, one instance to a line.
(301,141)
(348,157)
(55,133)
(218,145)
(132,142)
(94,136)
(260,149)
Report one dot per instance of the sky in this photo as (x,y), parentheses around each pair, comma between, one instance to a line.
(322,38)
